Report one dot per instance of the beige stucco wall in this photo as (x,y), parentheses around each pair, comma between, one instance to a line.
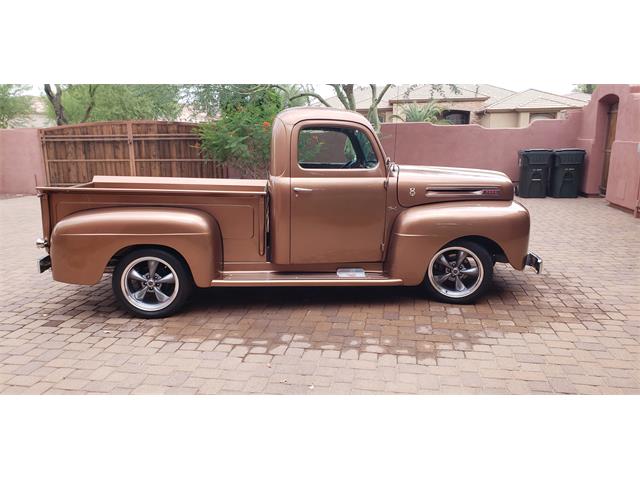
(509,119)
(500,120)
(523,119)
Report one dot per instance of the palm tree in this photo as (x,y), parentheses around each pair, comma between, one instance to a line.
(293,94)
(422,113)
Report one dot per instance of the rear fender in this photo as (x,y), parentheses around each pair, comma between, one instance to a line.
(419,232)
(83,243)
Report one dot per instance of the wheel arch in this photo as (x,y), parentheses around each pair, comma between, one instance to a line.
(115,258)
(488,244)
(84,244)
(419,232)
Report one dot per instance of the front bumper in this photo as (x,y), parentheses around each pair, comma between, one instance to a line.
(533,260)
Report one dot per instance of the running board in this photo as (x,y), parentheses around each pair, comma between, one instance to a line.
(315,279)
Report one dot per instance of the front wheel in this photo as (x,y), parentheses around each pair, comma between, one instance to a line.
(459,272)
(151,283)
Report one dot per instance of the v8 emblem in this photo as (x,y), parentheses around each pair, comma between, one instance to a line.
(412,191)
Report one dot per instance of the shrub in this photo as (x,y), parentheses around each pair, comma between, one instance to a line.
(242,136)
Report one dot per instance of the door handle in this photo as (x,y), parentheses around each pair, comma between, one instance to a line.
(302,190)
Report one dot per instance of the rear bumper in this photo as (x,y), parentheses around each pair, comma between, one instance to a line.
(44,264)
(533,260)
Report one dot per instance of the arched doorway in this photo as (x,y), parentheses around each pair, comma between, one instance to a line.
(610,136)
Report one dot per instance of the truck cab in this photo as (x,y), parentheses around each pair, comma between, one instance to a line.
(334,211)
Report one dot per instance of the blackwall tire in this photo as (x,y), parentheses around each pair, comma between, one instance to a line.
(459,273)
(151,283)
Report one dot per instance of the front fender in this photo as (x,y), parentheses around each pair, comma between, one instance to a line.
(419,232)
(83,243)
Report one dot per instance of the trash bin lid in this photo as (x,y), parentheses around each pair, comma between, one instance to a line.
(536,156)
(570,150)
(535,150)
(569,156)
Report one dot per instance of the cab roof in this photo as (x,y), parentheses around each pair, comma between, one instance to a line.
(291,116)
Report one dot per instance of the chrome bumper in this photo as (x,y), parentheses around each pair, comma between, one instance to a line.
(533,260)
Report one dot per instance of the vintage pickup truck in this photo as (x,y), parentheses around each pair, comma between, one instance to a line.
(333,212)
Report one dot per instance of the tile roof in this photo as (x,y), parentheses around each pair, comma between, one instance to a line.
(535,99)
(424,91)
(495,98)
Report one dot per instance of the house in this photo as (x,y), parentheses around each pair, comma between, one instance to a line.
(520,109)
(38,118)
(487,105)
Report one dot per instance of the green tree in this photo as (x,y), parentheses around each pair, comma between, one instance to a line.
(82,103)
(13,103)
(242,135)
(585,87)
(213,100)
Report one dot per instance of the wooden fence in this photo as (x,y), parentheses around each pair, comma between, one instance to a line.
(75,153)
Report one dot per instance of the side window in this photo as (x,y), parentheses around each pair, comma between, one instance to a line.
(330,148)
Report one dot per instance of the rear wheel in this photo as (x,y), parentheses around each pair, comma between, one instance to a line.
(459,272)
(151,283)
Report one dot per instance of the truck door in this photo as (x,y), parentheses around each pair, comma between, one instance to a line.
(338,195)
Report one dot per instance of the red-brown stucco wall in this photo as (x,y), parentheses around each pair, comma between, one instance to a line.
(21,165)
(473,145)
(623,185)
(497,148)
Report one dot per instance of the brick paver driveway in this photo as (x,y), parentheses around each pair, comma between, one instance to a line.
(573,329)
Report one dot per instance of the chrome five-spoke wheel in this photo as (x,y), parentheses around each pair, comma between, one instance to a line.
(151,282)
(458,273)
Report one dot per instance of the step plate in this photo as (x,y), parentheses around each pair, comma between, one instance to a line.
(351,273)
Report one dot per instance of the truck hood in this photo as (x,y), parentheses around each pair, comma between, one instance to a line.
(418,185)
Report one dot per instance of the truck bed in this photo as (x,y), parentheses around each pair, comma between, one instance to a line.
(238,205)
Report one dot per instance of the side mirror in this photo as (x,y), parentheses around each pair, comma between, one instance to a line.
(389,164)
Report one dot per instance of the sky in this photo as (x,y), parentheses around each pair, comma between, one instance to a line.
(326,90)
(557,88)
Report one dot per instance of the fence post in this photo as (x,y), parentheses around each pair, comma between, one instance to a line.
(45,157)
(132,154)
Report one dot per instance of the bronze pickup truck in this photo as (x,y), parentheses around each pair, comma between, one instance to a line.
(333,212)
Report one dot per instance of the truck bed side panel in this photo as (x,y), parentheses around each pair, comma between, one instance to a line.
(241,218)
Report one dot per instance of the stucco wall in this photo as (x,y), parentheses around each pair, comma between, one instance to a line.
(473,145)
(623,187)
(497,148)
(499,120)
(21,165)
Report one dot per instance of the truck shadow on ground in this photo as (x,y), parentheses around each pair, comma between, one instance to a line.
(357,322)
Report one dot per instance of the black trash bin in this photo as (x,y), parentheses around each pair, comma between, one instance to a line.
(534,172)
(566,177)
